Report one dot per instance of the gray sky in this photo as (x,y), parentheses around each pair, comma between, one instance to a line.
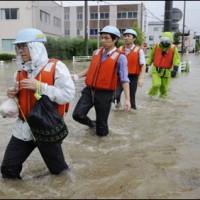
(156,10)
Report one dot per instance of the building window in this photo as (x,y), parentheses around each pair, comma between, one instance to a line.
(93,15)
(124,15)
(119,15)
(7,45)
(135,15)
(122,30)
(56,21)
(79,16)
(102,15)
(93,31)
(66,16)
(151,38)
(130,15)
(67,32)
(79,32)
(127,15)
(44,17)
(9,13)
(156,28)
(107,15)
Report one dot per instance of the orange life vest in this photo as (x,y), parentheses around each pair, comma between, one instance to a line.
(26,97)
(103,75)
(133,60)
(163,60)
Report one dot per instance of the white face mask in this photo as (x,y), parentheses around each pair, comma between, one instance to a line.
(165,44)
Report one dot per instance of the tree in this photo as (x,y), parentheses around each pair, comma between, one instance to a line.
(140,38)
(177,38)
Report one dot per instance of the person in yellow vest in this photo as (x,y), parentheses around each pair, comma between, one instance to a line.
(136,67)
(56,83)
(165,60)
(102,76)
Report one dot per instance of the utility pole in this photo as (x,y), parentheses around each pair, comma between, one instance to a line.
(168,16)
(86,28)
(183,32)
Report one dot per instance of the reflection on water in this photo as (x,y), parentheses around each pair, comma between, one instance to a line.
(151,153)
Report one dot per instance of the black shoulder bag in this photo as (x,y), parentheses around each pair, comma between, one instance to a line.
(45,122)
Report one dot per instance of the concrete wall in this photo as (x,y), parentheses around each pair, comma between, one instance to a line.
(9,28)
(55,11)
(29,17)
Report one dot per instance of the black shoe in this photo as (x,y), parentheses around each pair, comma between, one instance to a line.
(101,134)
(11,178)
(133,107)
(92,124)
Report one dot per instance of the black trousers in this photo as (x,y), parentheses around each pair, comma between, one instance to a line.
(133,88)
(101,100)
(18,151)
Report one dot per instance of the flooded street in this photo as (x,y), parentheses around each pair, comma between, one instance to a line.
(152,153)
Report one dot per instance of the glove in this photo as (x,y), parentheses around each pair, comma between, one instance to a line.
(174,71)
(75,77)
(175,68)
(147,69)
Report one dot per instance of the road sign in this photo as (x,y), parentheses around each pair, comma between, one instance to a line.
(176,14)
(175,27)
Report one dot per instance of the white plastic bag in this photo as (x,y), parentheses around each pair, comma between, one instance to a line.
(9,108)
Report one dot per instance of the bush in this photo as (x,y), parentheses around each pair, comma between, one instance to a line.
(64,48)
(7,57)
(52,47)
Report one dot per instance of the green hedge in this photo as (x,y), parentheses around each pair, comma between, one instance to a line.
(64,48)
(6,57)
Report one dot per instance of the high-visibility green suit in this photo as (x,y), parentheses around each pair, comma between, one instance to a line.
(161,77)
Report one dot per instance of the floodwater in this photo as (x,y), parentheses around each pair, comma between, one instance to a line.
(152,153)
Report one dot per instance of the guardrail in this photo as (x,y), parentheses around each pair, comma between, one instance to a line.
(2,62)
(81,58)
(86,58)
(185,66)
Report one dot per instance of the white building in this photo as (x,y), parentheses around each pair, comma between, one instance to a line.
(155,29)
(55,20)
(15,15)
(189,41)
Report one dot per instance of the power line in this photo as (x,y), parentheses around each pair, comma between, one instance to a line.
(154,15)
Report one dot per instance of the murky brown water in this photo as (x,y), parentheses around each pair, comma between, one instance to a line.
(153,153)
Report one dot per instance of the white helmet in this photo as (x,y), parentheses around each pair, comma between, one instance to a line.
(130,31)
(30,35)
(111,29)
